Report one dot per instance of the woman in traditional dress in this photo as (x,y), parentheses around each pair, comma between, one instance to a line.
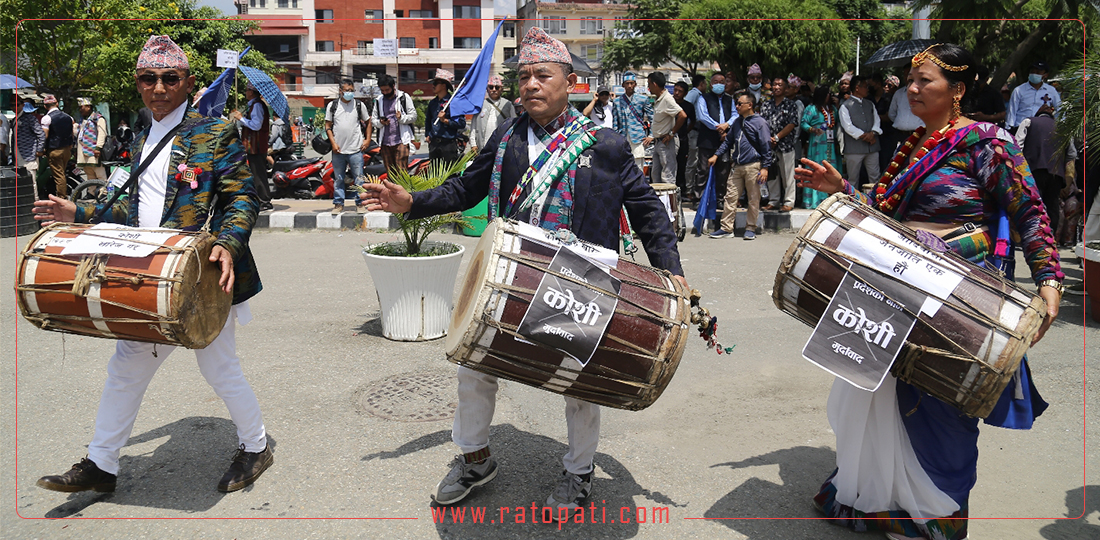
(906,461)
(819,120)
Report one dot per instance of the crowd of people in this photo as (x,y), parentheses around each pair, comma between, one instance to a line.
(906,461)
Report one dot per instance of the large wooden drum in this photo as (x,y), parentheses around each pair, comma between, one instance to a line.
(635,359)
(670,197)
(964,351)
(171,296)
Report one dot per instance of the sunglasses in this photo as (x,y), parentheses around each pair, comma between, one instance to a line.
(168,79)
(495,87)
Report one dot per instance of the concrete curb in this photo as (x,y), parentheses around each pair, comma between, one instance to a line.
(381,221)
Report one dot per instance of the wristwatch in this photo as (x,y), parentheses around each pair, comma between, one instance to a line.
(1054,284)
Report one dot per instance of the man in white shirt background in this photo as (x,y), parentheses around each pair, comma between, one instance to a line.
(860,123)
(1028,97)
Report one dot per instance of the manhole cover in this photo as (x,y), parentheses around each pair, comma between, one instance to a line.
(411,397)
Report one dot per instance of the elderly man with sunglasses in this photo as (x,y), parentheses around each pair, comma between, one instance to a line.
(495,111)
(187,168)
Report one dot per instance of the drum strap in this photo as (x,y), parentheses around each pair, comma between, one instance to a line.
(132,181)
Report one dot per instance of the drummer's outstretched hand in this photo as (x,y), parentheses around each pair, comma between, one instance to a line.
(221,256)
(55,209)
(1053,299)
(820,176)
(387,196)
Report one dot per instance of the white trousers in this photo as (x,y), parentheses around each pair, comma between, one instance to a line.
(131,369)
(477,399)
(638,150)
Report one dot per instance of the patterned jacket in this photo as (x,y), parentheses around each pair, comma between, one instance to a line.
(632,116)
(609,183)
(226,181)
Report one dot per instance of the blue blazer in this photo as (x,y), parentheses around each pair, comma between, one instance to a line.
(612,182)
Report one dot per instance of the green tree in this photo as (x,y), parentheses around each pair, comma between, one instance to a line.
(94,54)
(872,24)
(645,38)
(812,49)
(1008,44)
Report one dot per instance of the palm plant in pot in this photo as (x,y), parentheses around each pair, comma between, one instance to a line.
(415,278)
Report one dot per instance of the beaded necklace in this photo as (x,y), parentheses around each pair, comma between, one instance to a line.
(902,157)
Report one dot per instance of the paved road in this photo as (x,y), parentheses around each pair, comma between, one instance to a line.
(741,436)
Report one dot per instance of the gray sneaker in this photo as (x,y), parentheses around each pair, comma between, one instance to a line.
(567,496)
(464,477)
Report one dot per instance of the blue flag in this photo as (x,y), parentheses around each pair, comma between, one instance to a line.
(212,103)
(471,95)
(708,205)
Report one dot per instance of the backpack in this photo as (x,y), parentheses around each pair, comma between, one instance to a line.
(110,149)
(359,110)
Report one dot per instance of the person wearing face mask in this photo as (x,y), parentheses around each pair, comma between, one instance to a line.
(713,113)
(1028,97)
(756,83)
(342,119)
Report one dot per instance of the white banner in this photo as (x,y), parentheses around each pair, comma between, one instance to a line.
(385,48)
(227,58)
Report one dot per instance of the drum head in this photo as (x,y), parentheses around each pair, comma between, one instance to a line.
(469,299)
(659,187)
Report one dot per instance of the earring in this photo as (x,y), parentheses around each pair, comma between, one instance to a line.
(956,110)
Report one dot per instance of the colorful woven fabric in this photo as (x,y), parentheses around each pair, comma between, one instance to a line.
(495,80)
(967,178)
(49,99)
(444,75)
(952,527)
(160,52)
(755,70)
(794,81)
(632,115)
(538,47)
(567,145)
(89,133)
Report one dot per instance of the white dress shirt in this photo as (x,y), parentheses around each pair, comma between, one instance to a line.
(153,182)
(901,115)
(850,128)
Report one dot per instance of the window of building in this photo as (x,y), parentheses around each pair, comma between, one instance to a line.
(364,48)
(284,47)
(257,3)
(283,3)
(326,46)
(467,43)
(509,30)
(408,76)
(398,13)
(327,75)
(467,12)
(433,43)
(592,53)
(373,15)
(553,25)
(460,74)
(509,52)
(420,14)
(591,26)
(322,15)
(406,42)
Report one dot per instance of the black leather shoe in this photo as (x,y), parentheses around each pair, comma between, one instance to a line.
(84,476)
(245,469)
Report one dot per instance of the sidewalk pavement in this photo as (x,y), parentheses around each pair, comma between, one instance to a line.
(316,214)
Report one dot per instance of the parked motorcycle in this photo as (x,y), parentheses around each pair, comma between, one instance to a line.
(416,164)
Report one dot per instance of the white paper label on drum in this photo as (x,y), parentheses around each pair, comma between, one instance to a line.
(113,239)
(668,207)
(864,328)
(592,252)
(567,312)
(902,258)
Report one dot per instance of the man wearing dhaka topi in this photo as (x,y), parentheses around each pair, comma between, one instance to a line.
(594,177)
(214,183)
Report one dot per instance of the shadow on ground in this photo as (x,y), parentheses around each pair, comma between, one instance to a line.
(530,466)
(1081,503)
(181,473)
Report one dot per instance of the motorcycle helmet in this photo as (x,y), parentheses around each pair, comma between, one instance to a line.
(281,181)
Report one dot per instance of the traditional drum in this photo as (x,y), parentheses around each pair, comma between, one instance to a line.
(171,296)
(635,359)
(969,336)
(670,196)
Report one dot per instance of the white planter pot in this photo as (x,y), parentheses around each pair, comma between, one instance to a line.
(415,293)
